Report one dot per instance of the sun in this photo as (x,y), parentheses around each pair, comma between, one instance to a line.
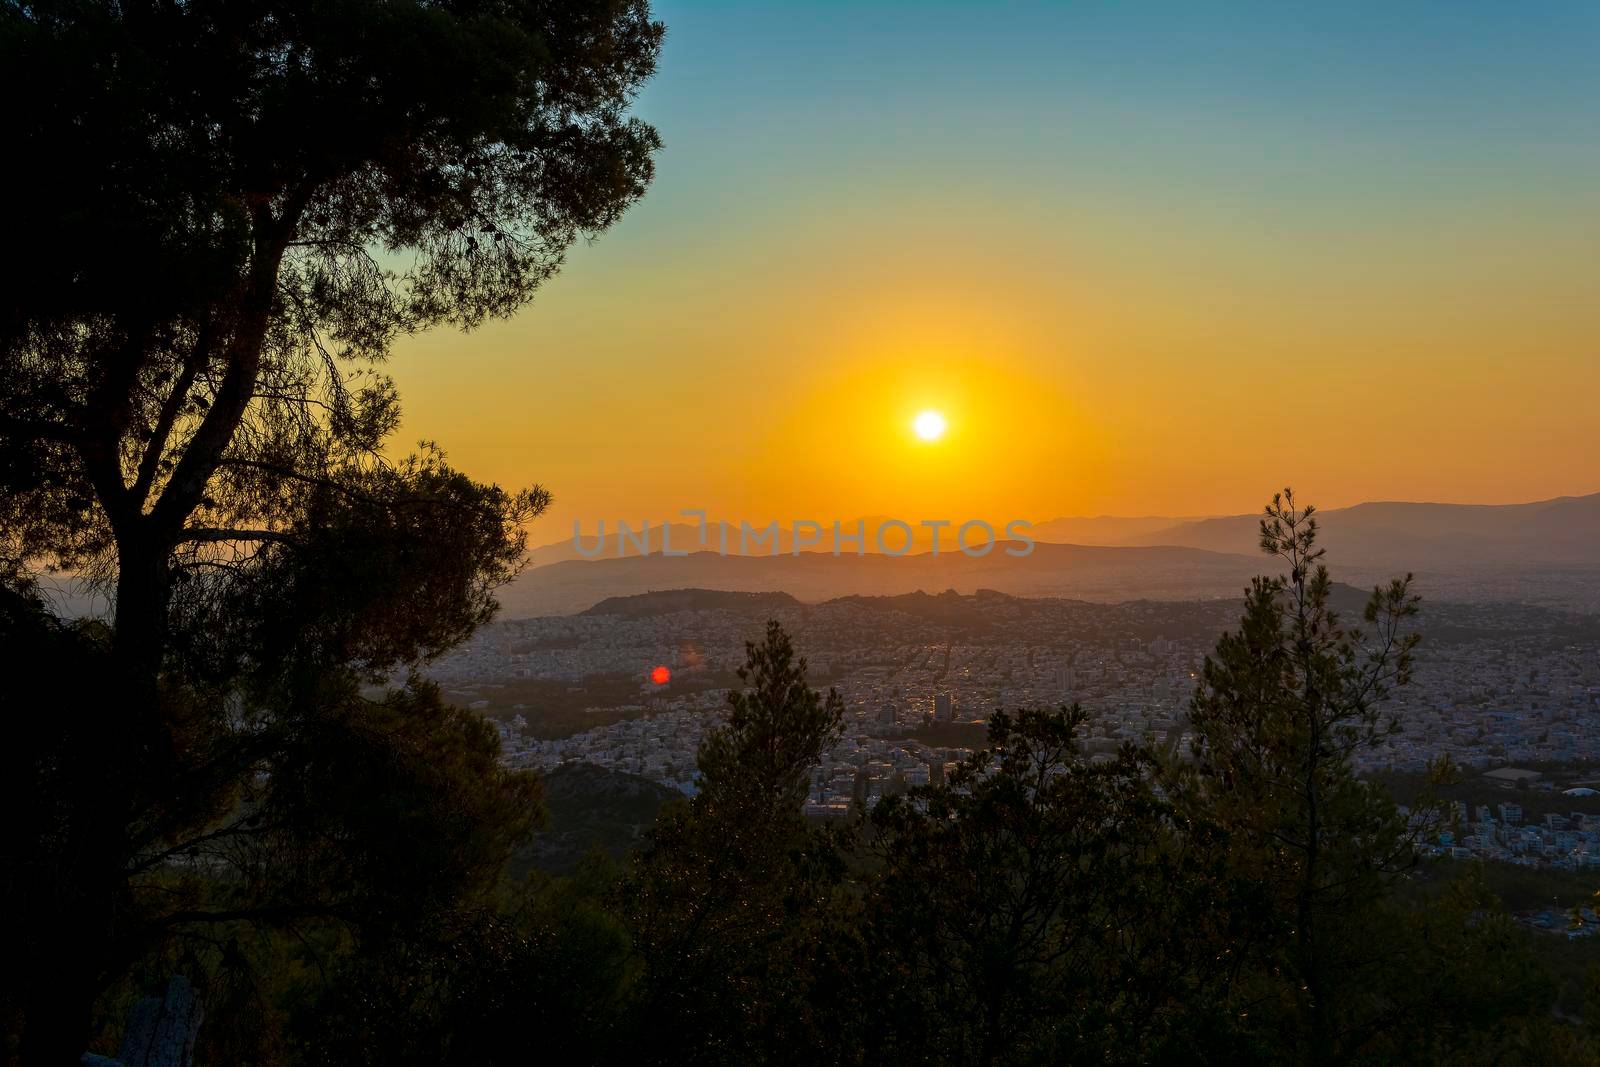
(929,425)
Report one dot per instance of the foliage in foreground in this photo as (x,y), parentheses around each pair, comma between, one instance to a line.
(1254,903)
(232,213)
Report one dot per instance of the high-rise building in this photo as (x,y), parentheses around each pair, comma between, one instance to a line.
(943,707)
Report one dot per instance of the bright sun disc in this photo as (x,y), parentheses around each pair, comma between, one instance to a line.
(929,425)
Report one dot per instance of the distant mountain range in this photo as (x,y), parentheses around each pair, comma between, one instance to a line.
(1405,536)
(1081,571)
(1547,552)
(1544,552)
(1564,530)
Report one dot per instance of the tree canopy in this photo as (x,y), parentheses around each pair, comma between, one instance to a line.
(225,215)
(228,212)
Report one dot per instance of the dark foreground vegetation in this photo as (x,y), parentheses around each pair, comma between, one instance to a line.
(225,215)
(365,895)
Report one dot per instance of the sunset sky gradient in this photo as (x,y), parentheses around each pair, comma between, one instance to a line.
(1146,259)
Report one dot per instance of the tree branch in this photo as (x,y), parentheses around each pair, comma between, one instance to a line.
(151,461)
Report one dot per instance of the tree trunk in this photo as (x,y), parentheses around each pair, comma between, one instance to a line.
(141,612)
(81,913)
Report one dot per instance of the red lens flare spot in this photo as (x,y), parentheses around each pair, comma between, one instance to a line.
(661,676)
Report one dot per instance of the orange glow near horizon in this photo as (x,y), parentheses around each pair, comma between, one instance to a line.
(1124,298)
(1042,418)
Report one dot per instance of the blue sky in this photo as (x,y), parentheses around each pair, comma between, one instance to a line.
(1154,225)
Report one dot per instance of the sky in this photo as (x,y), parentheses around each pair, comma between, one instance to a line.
(1146,259)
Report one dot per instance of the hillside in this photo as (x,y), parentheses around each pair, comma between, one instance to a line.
(591,808)
(664,602)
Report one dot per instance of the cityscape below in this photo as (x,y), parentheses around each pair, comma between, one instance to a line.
(1511,693)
